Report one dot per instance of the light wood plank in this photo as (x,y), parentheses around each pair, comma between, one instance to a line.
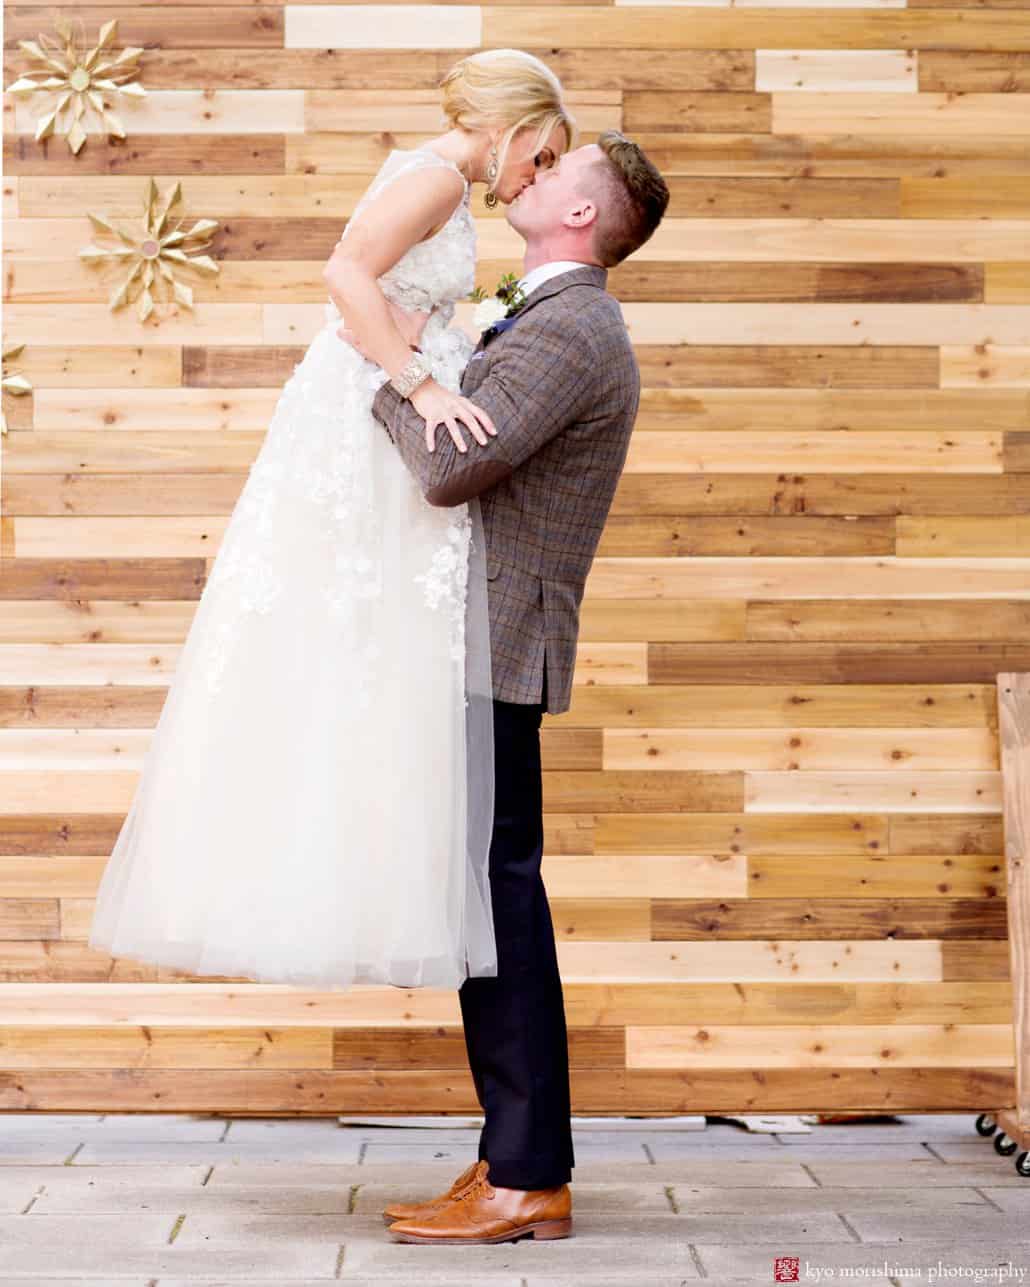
(979,536)
(888,791)
(820,1046)
(799,749)
(205,323)
(869,71)
(644,876)
(199,111)
(660,27)
(382,26)
(875,452)
(750,962)
(876,578)
(913,114)
(985,364)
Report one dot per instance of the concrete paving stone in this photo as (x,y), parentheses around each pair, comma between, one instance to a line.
(592,1280)
(1009,1199)
(415,1154)
(27,1232)
(973,1150)
(693,1199)
(665,1150)
(352,1280)
(864,1263)
(81,1179)
(985,1226)
(833,1174)
(110,1262)
(34,1123)
(874,1154)
(316,1199)
(26,1151)
(145,1152)
(319,1129)
(637,1249)
(74,1282)
(585,1197)
(905,1129)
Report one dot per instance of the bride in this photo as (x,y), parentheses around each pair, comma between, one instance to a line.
(316,802)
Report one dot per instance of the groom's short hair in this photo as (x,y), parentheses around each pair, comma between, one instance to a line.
(631,197)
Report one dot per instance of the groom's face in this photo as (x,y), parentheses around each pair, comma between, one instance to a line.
(553,200)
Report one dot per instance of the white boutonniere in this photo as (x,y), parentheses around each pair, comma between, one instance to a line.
(506,301)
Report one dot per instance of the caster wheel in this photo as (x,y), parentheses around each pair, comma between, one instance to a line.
(1023,1164)
(985,1125)
(1003,1145)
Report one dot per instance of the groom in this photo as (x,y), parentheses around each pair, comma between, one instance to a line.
(561,384)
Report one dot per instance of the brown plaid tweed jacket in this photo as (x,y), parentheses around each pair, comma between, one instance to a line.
(562,387)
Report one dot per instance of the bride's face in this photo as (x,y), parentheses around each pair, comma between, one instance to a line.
(525,161)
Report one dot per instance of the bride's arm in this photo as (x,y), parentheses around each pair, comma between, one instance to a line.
(410,207)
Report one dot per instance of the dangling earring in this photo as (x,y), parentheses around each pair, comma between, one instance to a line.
(490,200)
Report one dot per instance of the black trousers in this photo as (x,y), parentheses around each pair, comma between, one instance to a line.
(515,1023)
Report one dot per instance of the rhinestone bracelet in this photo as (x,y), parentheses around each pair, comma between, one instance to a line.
(407,380)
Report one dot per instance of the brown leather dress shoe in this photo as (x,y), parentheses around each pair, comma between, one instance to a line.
(415,1210)
(485,1214)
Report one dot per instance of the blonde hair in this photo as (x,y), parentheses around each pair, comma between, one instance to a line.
(508,89)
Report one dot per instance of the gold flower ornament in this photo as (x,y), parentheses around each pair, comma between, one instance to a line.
(81,81)
(154,251)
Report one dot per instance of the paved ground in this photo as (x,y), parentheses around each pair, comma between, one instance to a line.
(173,1200)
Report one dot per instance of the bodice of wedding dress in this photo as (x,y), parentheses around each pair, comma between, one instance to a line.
(431,275)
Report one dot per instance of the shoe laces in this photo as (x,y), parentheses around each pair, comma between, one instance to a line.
(480,1187)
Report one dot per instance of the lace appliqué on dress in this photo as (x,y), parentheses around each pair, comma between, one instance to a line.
(317,452)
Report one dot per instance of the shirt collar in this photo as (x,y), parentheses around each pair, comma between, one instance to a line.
(544,272)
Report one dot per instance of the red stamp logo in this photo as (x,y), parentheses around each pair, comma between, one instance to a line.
(785,1269)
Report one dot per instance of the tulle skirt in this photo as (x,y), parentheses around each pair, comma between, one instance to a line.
(316,802)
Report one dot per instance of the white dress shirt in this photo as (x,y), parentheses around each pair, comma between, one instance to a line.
(543,272)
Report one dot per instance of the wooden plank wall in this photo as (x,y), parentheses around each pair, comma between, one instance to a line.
(774,841)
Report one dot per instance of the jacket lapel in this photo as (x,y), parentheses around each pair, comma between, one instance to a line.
(589,274)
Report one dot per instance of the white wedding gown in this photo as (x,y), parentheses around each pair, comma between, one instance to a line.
(316,802)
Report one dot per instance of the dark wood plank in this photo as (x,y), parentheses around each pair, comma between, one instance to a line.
(40,834)
(794,366)
(428,1090)
(946,833)
(444,1047)
(158,578)
(833,663)
(812,494)
(156,26)
(651,791)
(179,154)
(973,959)
(710,113)
(974,71)
(887,283)
(244,366)
(801,919)
(693,535)
(71,706)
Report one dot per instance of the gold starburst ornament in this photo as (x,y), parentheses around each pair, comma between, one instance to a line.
(12,382)
(81,80)
(153,252)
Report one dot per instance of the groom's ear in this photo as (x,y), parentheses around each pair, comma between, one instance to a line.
(583,213)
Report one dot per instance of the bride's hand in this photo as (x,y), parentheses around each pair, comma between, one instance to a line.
(434,404)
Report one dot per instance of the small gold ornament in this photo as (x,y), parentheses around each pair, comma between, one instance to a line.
(152,252)
(12,382)
(79,80)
